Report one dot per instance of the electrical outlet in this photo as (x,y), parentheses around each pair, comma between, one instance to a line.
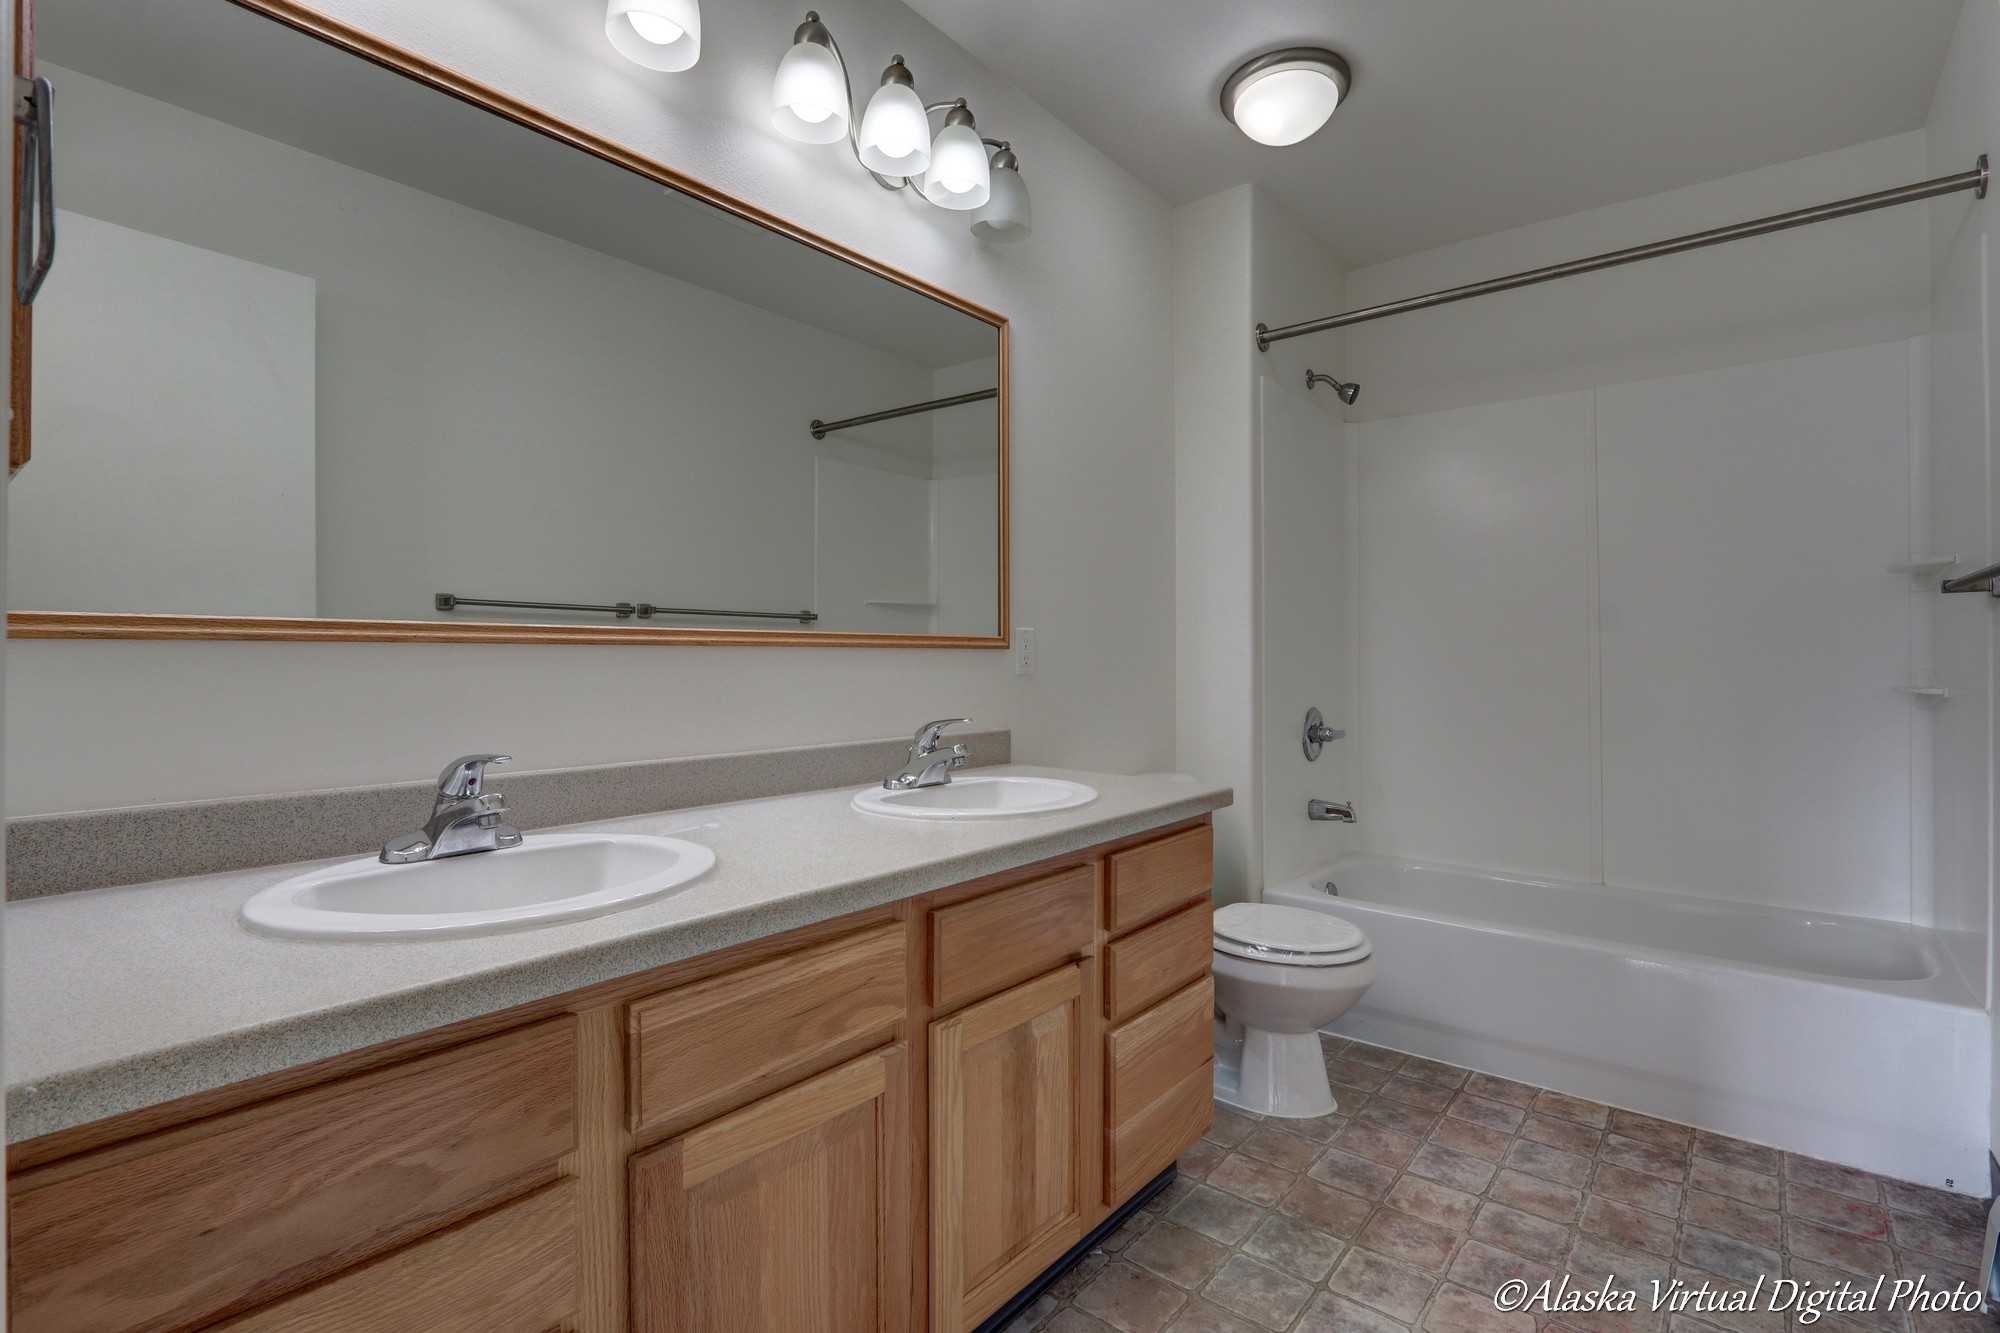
(1024,651)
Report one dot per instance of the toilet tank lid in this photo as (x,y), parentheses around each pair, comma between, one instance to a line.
(1292,929)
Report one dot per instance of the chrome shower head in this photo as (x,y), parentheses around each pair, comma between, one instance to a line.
(1347,393)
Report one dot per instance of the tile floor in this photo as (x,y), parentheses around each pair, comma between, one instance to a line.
(1433,1184)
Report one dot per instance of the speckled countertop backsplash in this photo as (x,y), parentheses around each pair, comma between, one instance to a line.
(94,849)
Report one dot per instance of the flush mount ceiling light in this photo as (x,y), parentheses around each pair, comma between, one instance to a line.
(659,34)
(1283,97)
(812,100)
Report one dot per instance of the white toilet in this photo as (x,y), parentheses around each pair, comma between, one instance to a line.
(1281,974)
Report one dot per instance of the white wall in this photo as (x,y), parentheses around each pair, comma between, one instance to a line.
(106,723)
(1215,521)
(173,402)
(1963,482)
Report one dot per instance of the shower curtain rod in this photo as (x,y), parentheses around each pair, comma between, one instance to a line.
(1974,180)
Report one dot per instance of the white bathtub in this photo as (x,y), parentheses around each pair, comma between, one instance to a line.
(1853,1040)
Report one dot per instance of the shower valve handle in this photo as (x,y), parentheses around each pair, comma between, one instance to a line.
(1316,734)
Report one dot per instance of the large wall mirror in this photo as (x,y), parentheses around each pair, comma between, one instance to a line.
(337,345)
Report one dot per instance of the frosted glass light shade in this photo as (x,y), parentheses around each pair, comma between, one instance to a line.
(809,95)
(659,34)
(1283,97)
(958,177)
(895,132)
(1007,214)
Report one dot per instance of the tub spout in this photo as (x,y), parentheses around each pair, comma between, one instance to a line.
(1332,810)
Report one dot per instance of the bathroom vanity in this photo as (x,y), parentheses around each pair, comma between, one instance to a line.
(891,1119)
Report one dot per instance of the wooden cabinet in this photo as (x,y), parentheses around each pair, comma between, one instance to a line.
(1010,1122)
(1158,876)
(1159,1079)
(886,1123)
(513,1270)
(1152,963)
(788,1216)
(713,1043)
(979,946)
(203,1221)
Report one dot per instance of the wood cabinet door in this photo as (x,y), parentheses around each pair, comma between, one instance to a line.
(1010,1115)
(788,1216)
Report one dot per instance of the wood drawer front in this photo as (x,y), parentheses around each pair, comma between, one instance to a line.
(1155,1138)
(197,1222)
(715,1044)
(513,1270)
(1150,964)
(1152,1054)
(979,946)
(1159,876)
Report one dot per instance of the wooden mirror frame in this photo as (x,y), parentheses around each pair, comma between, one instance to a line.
(354,41)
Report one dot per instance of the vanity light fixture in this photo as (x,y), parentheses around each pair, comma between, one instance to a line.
(895,135)
(959,178)
(812,100)
(659,34)
(809,95)
(1283,97)
(1007,214)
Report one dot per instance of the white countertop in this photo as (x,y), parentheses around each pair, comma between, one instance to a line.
(127,997)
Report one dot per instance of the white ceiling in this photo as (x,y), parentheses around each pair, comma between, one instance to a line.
(1468,116)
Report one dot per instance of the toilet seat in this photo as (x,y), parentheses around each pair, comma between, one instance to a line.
(1288,936)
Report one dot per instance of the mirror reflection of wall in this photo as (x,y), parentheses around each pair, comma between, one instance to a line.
(272,378)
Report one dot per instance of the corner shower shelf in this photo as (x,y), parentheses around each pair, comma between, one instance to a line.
(1922,568)
(1926,696)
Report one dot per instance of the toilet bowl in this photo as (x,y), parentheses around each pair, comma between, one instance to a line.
(1281,974)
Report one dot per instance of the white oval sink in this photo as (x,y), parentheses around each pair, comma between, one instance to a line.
(548,878)
(977,798)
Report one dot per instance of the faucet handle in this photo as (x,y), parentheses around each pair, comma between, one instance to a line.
(930,733)
(465,777)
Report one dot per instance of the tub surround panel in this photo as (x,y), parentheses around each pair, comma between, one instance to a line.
(90,849)
(1648,635)
(1475,633)
(1752,633)
(131,996)
(1303,585)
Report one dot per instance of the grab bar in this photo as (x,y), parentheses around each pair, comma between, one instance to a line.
(1985,580)
(446,601)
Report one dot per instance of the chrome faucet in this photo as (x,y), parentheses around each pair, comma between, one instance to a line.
(464,818)
(929,766)
(1330,810)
